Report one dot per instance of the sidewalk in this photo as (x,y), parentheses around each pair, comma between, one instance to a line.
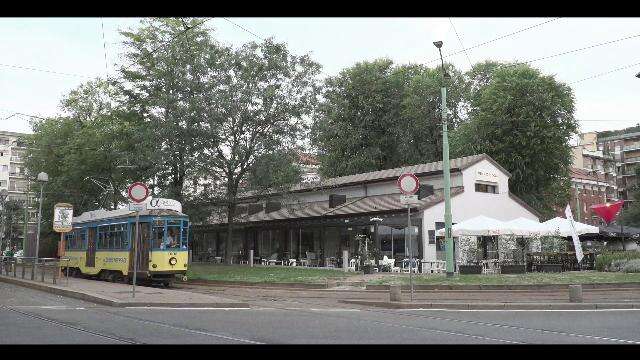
(119,295)
(604,298)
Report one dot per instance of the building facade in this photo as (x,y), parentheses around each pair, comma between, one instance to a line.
(626,152)
(322,220)
(14,179)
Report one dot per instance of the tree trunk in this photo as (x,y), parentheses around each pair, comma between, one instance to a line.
(228,247)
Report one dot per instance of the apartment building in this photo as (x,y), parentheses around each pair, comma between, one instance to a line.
(625,148)
(597,161)
(13,178)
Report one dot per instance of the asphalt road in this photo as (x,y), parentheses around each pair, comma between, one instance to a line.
(33,317)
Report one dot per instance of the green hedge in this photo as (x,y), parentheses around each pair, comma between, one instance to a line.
(604,260)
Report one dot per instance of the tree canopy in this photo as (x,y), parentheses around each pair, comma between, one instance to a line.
(524,120)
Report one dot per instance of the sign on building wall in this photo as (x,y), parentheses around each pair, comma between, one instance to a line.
(483,175)
(62,215)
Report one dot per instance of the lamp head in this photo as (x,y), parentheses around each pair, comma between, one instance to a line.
(43,177)
(638,75)
(438,44)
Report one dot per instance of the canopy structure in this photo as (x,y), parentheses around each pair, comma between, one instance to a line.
(616,232)
(526,227)
(562,227)
(478,226)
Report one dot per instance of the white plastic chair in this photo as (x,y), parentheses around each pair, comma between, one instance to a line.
(352,264)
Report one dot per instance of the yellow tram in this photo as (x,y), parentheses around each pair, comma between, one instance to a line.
(101,245)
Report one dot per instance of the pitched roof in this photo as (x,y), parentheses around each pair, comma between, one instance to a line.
(583,174)
(353,206)
(389,174)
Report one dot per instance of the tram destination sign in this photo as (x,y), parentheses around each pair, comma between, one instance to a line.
(62,216)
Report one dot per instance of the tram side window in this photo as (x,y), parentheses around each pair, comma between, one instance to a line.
(70,240)
(101,238)
(112,237)
(157,236)
(185,235)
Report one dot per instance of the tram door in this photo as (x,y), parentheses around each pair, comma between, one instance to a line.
(91,248)
(143,247)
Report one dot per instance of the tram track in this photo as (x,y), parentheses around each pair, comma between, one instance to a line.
(430,317)
(67,326)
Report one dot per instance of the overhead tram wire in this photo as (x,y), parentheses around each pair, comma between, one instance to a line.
(45,70)
(461,44)
(104,47)
(241,27)
(493,40)
(605,73)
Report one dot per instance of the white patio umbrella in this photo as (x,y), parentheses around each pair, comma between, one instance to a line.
(478,226)
(526,227)
(562,227)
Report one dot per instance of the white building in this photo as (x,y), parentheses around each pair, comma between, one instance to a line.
(13,178)
(324,218)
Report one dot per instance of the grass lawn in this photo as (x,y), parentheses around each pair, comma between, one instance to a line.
(264,274)
(573,277)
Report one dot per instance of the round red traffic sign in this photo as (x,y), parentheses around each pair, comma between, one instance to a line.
(408,184)
(138,192)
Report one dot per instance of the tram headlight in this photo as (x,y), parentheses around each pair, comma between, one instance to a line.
(173,261)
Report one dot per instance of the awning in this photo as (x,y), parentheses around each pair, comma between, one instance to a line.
(526,227)
(562,227)
(478,226)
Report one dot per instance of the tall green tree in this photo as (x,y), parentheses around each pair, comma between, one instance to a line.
(257,105)
(12,216)
(524,120)
(376,115)
(164,79)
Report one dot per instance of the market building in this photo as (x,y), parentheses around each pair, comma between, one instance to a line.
(323,219)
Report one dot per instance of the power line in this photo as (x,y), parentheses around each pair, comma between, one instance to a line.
(45,70)
(461,44)
(574,50)
(496,39)
(250,32)
(104,47)
(605,73)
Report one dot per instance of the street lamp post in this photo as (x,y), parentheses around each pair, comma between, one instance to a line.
(42,178)
(445,170)
(3,197)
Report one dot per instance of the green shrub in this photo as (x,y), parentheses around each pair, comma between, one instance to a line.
(604,260)
(616,265)
(632,266)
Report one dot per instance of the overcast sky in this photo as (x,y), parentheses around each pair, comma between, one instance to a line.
(75,46)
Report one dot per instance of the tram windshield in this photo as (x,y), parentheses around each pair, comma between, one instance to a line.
(169,234)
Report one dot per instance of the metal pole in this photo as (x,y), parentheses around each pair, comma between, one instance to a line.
(26,220)
(447,186)
(135,256)
(410,249)
(39,221)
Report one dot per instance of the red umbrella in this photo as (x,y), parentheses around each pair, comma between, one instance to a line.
(608,211)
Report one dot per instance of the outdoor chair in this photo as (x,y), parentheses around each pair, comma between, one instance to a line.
(273,259)
(352,264)
(312,260)
(292,262)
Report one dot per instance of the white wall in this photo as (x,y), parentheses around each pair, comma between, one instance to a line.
(470,204)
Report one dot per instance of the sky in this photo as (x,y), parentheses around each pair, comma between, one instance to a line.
(84,48)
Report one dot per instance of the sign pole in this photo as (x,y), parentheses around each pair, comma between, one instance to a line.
(409,230)
(135,256)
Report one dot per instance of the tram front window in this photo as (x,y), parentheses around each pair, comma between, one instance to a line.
(173,237)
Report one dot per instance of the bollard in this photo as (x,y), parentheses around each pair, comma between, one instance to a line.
(250,258)
(42,269)
(345,260)
(394,293)
(56,271)
(33,270)
(22,270)
(575,293)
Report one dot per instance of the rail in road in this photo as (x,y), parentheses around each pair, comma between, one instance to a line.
(399,313)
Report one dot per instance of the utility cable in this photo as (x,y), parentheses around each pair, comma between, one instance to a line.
(496,39)
(461,44)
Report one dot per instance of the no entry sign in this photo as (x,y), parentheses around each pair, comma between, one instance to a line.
(408,184)
(138,192)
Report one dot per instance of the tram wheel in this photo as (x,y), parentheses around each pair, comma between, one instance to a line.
(119,278)
(111,276)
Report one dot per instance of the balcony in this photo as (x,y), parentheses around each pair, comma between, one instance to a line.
(16,159)
(632,160)
(631,147)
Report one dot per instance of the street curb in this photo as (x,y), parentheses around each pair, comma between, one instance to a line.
(626,285)
(101,300)
(494,306)
(258,285)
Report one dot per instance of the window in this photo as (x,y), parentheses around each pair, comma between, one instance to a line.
(486,188)
(5,168)
(157,234)
(113,237)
